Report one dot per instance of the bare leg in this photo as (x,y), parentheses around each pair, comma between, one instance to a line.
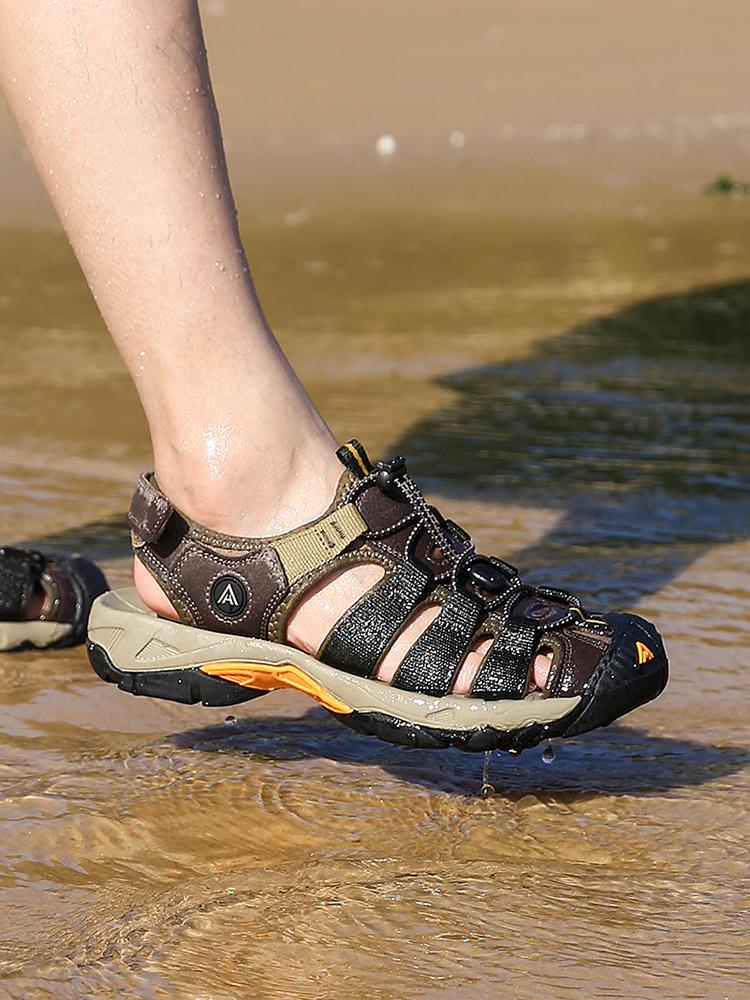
(115,103)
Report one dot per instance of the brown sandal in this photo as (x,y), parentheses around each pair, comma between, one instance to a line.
(68,586)
(235,596)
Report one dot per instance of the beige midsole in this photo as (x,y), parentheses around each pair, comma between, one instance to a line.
(39,634)
(136,640)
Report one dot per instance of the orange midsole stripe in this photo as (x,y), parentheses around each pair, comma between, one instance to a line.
(272,676)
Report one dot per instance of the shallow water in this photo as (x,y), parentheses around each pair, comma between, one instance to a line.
(581,404)
(558,339)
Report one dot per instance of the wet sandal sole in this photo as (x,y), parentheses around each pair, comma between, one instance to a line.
(143,654)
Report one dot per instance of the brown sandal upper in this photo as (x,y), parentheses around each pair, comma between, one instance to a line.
(250,586)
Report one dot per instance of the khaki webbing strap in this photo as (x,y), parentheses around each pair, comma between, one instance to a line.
(309,548)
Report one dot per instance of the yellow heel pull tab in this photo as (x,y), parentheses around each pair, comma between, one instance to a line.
(644,653)
(271,677)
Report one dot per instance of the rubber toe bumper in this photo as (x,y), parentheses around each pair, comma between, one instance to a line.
(632,672)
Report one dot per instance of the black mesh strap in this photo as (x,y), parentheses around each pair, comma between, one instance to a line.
(505,669)
(19,571)
(434,659)
(359,639)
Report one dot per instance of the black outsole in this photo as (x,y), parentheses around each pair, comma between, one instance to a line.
(617,686)
(188,685)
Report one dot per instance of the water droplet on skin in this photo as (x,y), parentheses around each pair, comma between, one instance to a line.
(231,720)
(219,266)
(548,754)
(216,448)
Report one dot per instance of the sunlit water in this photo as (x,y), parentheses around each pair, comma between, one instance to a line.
(571,386)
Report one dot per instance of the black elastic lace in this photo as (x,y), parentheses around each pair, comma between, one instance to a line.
(446,535)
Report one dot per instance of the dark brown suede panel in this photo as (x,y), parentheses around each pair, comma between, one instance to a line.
(193,570)
(395,546)
(580,654)
(381,512)
(542,612)
(428,556)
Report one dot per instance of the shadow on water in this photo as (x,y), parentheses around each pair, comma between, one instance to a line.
(108,538)
(622,760)
(636,427)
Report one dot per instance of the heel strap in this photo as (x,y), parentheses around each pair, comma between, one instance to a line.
(149,511)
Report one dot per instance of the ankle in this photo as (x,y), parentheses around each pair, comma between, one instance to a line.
(257,490)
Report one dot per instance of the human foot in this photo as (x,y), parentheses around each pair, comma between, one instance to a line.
(236,598)
(45,600)
(304,484)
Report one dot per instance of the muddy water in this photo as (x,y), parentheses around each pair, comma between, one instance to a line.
(559,341)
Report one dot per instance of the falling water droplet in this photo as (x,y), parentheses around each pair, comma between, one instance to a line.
(487,788)
(548,754)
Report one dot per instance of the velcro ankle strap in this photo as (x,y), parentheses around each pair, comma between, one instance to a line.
(149,511)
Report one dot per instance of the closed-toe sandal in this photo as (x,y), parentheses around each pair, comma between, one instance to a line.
(235,596)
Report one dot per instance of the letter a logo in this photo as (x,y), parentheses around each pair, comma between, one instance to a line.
(644,653)
(229,597)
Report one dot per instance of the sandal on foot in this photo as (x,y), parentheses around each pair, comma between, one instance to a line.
(235,596)
(67,585)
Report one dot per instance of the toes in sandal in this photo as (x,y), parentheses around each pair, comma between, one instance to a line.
(67,586)
(235,596)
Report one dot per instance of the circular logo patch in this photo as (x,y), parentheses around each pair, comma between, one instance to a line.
(229,596)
